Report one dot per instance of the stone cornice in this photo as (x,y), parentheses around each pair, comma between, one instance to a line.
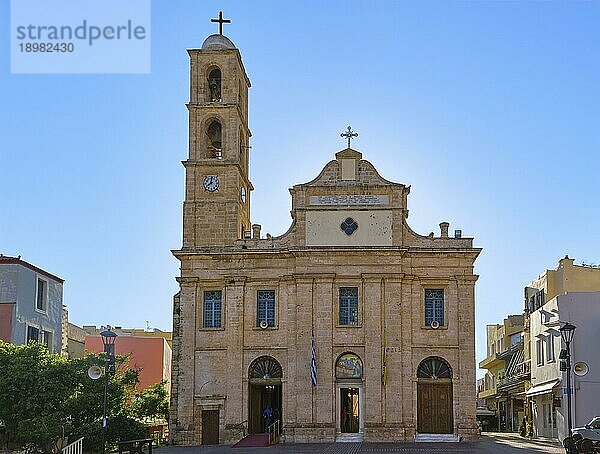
(235,280)
(187,280)
(379,276)
(466,277)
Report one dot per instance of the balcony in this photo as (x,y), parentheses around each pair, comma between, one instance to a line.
(523,370)
(487,393)
(490,362)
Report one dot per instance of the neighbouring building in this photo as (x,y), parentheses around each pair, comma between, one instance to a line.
(570,293)
(75,341)
(384,315)
(30,304)
(507,373)
(92,330)
(150,355)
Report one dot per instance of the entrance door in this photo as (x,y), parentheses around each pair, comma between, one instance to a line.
(210,427)
(349,417)
(434,408)
(261,398)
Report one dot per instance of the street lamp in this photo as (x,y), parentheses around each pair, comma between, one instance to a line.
(108,339)
(566,332)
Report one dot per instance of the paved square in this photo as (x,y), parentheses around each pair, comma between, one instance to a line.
(490,443)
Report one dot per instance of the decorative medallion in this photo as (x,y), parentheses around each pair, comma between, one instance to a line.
(349,226)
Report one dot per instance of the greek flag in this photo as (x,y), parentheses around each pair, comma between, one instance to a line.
(313,363)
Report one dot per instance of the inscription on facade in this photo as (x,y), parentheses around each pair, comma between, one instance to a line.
(349,200)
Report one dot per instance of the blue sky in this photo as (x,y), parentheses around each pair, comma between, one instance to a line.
(489,110)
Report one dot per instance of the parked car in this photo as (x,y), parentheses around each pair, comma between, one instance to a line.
(587,438)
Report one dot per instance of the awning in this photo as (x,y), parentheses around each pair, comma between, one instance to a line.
(485,412)
(542,389)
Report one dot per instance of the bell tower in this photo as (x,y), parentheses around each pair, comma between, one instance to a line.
(217,191)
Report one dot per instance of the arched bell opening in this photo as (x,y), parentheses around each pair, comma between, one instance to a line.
(434,396)
(214,85)
(214,144)
(264,394)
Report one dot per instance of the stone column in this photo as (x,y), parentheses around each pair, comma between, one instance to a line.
(324,392)
(465,394)
(392,404)
(303,392)
(183,362)
(287,288)
(373,329)
(236,404)
(411,306)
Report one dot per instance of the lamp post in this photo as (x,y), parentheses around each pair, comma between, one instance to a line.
(108,339)
(566,332)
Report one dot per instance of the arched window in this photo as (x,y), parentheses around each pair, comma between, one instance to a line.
(214,85)
(214,144)
(266,368)
(348,365)
(434,368)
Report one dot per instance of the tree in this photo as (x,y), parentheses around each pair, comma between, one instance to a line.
(152,402)
(34,385)
(45,396)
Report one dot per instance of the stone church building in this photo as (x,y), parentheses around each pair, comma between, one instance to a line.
(390,313)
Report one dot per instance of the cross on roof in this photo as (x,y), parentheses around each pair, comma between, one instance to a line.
(221,21)
(349,134)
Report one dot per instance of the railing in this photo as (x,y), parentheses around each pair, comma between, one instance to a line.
(523,368)
(240,425)
(74,448)
(136,446)
(273,431)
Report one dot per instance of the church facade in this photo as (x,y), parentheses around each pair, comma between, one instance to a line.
(348,326)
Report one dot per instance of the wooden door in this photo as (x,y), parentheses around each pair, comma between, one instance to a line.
(210,427)
(255,423)
(434,408)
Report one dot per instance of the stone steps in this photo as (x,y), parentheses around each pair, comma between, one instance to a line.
(437,438)
(349,438)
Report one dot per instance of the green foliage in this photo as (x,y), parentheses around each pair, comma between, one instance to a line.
(34,385)
(152,402)
(43,396)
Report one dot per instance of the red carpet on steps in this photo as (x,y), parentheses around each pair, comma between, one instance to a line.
(253,440)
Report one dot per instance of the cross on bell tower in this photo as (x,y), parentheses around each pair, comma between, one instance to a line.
(221,21)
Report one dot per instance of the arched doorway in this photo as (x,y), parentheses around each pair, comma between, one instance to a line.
(350,391)
(434,396)
(264,381)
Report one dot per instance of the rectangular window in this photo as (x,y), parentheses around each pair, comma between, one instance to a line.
(516,338)
(539,350)
(550,348)
(47,339)
(212,309)
(434,306)
(348,305)
(33,334)
(41,295)
(266,307)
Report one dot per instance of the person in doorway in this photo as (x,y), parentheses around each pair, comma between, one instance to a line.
(267,416)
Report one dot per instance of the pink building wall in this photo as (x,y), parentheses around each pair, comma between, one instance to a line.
(6,316)
(150,354)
